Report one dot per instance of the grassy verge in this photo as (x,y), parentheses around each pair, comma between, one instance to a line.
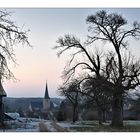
(107,128)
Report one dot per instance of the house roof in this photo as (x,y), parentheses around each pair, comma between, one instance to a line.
(8,117)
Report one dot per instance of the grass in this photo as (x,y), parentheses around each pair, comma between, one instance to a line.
(106,128)
(91,123)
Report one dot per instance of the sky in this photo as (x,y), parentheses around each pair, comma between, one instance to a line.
(40,63)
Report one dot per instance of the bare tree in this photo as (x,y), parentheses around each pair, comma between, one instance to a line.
(10,36)
(91,62)
(99,91)
(111,28)
(119,69)
(72,92)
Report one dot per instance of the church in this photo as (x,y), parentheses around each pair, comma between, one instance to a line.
(42,108)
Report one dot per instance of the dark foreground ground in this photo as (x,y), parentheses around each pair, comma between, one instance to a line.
(39,125)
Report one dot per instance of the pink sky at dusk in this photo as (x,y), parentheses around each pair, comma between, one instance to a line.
(40,63)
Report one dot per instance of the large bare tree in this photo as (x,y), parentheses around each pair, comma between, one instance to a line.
(90,62)
(72,92)
(125,69)
(117,68)
(99,92)
(10,36)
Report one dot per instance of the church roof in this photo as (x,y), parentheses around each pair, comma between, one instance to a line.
(46,92)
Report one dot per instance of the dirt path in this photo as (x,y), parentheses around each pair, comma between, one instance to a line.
(51,126)
(58,127)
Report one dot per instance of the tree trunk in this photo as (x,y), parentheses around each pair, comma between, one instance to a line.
(1,112)
(117,110)
(100,118)
(104,116)
(75,114)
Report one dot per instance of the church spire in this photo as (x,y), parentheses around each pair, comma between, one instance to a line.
(46,92)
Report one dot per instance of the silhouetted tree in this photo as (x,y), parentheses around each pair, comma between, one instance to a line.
(10,36)
(118,68)
(91,62)
(99,93)
(111,28)
(72,92)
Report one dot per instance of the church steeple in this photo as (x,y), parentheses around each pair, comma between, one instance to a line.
(46,92)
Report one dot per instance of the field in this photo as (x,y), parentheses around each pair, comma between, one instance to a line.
(39,125)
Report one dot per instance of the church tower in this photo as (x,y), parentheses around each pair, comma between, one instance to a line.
(46,101)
